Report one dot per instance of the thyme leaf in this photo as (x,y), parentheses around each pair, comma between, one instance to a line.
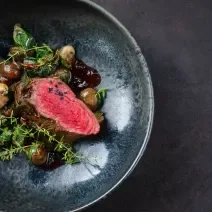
(101,95)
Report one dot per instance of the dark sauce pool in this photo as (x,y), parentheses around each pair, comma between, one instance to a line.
(84,76)
(53,161)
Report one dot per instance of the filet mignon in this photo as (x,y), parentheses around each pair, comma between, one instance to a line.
(50,103)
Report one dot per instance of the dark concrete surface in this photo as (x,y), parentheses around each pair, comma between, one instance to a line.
(175,174)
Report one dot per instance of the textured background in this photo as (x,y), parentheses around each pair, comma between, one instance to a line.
(175,174)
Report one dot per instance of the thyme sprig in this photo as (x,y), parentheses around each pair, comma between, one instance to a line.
(9,153)
(18,133)
(69,156)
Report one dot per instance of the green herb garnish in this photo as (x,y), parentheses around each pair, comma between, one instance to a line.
(22,38)
(5,136)
(101,95)
(16,140)
(42,52)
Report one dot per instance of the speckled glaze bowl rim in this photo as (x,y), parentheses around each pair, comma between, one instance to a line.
(151,94)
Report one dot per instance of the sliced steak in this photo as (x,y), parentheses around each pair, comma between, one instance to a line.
(50,103)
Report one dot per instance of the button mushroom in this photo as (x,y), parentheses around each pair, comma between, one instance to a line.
(3,91)
(38,155)
(67,55)
(19,53)
(3,101)
(10,72)
(89,97)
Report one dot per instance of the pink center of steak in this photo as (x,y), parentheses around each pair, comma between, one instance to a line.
(55,100)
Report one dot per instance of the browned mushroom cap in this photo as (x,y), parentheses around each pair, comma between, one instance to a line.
(3,89)
(38,156)
(88,96)
(67,55)
(10,71)
(3,101)
(19,53)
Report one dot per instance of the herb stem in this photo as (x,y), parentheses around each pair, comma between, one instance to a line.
(39,47)
(10,57)
(9,153)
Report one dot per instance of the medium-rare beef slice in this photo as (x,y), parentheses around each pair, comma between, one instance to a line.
(51,104)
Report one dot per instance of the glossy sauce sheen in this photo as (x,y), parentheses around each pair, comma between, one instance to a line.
(54,161)
(84,76)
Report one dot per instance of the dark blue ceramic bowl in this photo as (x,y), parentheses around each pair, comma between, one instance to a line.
(102,42)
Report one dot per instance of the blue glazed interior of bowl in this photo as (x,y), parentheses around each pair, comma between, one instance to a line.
(104,45)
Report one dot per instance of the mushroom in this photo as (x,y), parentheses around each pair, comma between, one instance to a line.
(38,155)
(10,71)
(3,101)
(67,55)
(89,97)
(3,89)
(3,92)
(19,53)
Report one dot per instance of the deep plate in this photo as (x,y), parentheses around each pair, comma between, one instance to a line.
(102,42)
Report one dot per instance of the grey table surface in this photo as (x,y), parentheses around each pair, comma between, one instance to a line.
(175,174)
